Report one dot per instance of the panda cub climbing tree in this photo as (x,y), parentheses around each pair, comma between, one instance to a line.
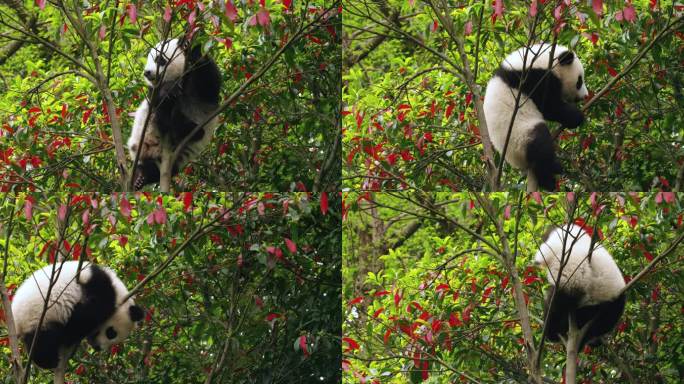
(588,284)
(82,304)
(184,88)
(547,94)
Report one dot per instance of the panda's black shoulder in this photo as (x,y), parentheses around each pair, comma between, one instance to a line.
(203,77)
(100,284)
(532,80)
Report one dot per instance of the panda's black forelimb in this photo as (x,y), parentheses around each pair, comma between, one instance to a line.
(557,311)
(201,82)
(542,158)
(568,115)
(96,306)
(203,79)
(604,317)
(545,90)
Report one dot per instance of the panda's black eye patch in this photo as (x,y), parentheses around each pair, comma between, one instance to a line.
(111,333)
(579,82)
(160,60)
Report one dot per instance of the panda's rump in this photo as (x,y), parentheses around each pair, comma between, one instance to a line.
(499,104)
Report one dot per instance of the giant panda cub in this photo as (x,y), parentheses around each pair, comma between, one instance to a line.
(86,305)
(546,95)
(591,288)
(183,90)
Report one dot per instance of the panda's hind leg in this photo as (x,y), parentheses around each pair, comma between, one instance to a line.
(606,316)
(556,314)
(541,157)
(48,342)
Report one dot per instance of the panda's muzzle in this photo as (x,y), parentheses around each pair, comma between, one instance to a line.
(92,340)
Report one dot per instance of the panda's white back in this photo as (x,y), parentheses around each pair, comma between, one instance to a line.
(599,281)
(499,104)
(28,302)
(537,57)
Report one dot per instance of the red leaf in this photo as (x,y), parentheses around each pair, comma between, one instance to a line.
(486,293)
(597,5)
(378,312)
(231,11)
(386,337)
(271,316)
(61,212)
(648,256)
(125,207)
(498,9)
(466,314)
(86,114)
(324,203)
(302,345)
(352,343)
(291,246)
(612,72)
(287,3)
(160,215)
(28,208)
(633,221)
(454,321)
(629,13)
(187,201)
(381,293)
(537,197)
(533,8)
(262,18)
(40,4)
(183,2)
(449,110)
(397,299)
(468,28)
(191,18)
(167,13)
(132,13)
(80,370)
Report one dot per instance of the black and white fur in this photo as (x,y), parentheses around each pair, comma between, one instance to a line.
(589,288)
(85,306)
(546,95)
(184,89)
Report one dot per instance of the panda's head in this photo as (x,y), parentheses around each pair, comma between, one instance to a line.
(118,327)
(165,62)
(570,71)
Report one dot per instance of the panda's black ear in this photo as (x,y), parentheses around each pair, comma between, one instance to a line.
(566,58)
(136,313)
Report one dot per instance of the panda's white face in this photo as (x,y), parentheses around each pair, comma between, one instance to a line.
(571,73)
(165,62)
(118,327)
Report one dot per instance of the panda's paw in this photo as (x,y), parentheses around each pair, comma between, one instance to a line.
(573,118)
